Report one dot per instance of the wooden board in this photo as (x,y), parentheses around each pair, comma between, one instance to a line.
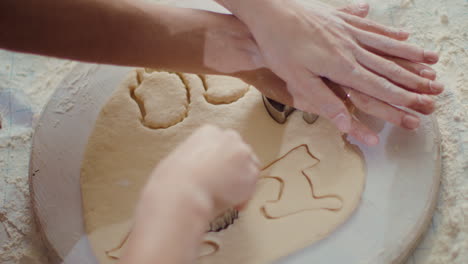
(397,204)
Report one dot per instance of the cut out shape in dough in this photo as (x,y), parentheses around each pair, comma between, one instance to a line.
(296,192)
(295,189)
(163,99)
(223,89)
(116,252)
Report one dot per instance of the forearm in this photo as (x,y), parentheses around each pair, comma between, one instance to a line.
(169,227)
(123,32)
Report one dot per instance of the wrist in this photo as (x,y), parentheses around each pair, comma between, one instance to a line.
(166,195)
(230,46)
(206,42)
(249,10)
(169,223)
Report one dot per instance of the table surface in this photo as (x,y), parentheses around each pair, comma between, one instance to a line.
(27,81)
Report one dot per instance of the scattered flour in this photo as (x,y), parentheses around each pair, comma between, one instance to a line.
(442,26)
(27,82)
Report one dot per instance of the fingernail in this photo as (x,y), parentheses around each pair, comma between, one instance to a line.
(371,140)
(363,6)
(430,74)
(431,56)
(410,122)
(436,87)
(403,34)
(426,104)
(342,123)
(424,99)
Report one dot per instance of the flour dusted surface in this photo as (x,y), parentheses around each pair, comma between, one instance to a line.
(438,25)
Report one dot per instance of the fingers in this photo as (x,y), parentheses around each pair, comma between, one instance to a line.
(416,68)
(317,98)
(360,10)
(233,137)
(373,85)
(371,26)
(269,84)
(382,110)
(398,74)
(394,47)
(363,134)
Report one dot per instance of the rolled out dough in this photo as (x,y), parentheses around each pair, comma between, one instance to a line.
(311,182)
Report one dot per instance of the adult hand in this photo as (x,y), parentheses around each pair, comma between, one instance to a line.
(273,87)
(301,43)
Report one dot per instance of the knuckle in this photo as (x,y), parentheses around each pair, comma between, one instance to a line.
(349,65)
(383,85)
(350,45)
(387,43)
(398,118)
(415,101)
(369,25)
(395,69)
(386,85)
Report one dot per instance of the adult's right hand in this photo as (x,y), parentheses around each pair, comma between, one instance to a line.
(303,43)
(273,87)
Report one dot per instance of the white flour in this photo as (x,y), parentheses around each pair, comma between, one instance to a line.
(443,26)
(27,82)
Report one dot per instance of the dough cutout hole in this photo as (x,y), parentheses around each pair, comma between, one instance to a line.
(296,190)
(163,99)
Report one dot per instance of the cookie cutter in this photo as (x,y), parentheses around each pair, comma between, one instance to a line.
(224,220)
(280,112)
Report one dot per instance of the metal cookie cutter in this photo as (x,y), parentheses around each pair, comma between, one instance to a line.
(224,220)
(309,117)
(280,112)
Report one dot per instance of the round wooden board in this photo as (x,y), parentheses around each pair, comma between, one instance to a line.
(397,204)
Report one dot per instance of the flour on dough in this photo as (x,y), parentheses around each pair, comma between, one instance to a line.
(312,181)
(162,98)
(223,89)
